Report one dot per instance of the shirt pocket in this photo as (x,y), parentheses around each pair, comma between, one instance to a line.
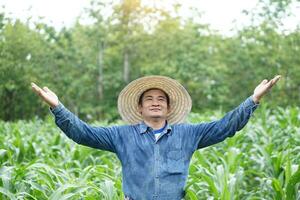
(175,161)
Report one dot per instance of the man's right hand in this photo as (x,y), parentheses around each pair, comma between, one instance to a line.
(46,94)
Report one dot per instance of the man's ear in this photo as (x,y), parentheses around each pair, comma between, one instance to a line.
(140,108)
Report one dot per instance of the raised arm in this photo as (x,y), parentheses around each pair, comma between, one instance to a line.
(205,134)
(77,130)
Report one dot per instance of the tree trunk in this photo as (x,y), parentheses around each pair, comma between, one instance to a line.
(126,66)
(100,87)
(100,71)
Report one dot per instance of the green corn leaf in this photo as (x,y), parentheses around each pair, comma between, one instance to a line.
(7,193)
(278,189)
(291,188)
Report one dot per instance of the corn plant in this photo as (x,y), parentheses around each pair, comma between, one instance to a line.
(262,161)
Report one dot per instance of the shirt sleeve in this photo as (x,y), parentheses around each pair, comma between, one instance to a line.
(206,134)
(80,132)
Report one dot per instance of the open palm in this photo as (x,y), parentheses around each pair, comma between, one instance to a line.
(264,87)
(46,94)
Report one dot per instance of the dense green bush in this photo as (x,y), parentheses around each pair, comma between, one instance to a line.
(88,65)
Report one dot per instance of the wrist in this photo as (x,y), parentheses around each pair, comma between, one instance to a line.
(54,104)
(255,99)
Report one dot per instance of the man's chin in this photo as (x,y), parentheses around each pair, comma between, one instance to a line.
(156,116)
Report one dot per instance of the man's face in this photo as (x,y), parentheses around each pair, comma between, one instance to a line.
(154,105)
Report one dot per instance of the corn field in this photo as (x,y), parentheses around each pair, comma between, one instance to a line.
(260,162)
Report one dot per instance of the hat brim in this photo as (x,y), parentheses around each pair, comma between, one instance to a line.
(180,100)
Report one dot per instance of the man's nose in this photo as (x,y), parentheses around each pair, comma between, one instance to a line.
(155,102)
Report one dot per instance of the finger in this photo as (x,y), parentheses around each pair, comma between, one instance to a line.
(46,89)
(275,79)
(35,88)
(264,82)
(38,90)
(33,85)
(277,76)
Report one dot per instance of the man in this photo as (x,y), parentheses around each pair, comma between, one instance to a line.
(156,148)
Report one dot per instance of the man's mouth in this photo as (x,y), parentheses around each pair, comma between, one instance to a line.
(155,109)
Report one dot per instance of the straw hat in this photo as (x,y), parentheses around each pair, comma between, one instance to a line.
(180,100)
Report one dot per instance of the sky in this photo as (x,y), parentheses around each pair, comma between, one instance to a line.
(221,15)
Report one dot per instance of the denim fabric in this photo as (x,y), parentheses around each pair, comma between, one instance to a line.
(154,169)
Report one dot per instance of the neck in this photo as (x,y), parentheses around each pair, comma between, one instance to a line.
(155,123)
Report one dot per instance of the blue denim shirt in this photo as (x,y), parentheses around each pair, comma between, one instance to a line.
(154,169)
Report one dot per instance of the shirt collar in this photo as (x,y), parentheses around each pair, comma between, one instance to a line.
(143,128)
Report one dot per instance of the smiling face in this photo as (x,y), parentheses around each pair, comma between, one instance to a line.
(154,105)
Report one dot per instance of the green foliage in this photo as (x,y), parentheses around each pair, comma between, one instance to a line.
(88,65)
(260,162)
(37,162)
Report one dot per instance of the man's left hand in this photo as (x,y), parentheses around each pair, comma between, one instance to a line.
(263,88)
